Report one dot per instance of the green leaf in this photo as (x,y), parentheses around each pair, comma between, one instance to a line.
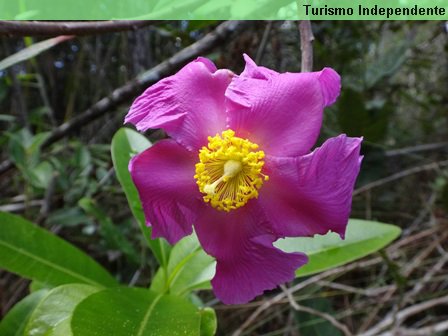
(52,316)
(362,238)
(37,286)
(387,63)
(189,268)
(32,51)
(209,323)
(125,144)
(356,119)
(135,312)
(41,175)
(111,233)
(13,324)
(37,254)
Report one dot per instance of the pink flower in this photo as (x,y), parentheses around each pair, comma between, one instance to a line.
(238,168)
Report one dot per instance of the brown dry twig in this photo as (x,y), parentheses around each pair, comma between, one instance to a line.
(325,316)
(45,28)
(306,45)
(404,314)
(400,175)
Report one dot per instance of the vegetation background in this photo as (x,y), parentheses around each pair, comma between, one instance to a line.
(62,99)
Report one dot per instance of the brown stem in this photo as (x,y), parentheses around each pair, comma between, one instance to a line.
(306,45)
(46,28)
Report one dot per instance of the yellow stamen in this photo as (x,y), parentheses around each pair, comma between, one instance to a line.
(229,171)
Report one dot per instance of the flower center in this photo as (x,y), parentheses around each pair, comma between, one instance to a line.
(229,171)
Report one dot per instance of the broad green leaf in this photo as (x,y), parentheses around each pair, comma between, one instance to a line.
(53,314)
(37,254)
(13,324)
(189,268)
(362,238)
(135,312)
(125,144)
(32,51)
(37,286)
(209,323)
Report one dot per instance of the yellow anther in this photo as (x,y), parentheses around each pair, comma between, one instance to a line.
(229,171)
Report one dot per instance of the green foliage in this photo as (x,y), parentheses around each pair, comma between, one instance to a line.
(24,150)
(114,237)
(36,254)
(74,308)
(31,51)
(13,324)
(357,119)
(386,62)
(135,312)
(189,268)
(52,316)
(362,238)
(125,144)
(209,322)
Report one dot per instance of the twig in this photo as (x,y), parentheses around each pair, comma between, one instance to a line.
(404,314)
(327,317)
(44,28)
(132,88)
(354,290)
(301,285)
(306,45)
(418,260)
(415,149)
(425,331)
(407,271)
(397,176)
(427,277)
(17,207)
(264,41)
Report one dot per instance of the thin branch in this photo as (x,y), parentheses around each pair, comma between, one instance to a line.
(45,28)
(133,88)
(306,45)
(427,278)
(399,175)
(404,314)
(263,43)
(16,207)
(406,272)
(325,316)
(310,281)
(425,331)
(416,149)
(349,289)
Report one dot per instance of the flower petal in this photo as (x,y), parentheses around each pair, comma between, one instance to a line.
(252,70)
(312,194)
(189,105)
(163,175)
(280,112)
(247,263)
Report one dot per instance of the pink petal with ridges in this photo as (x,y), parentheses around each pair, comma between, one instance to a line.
(163,175)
